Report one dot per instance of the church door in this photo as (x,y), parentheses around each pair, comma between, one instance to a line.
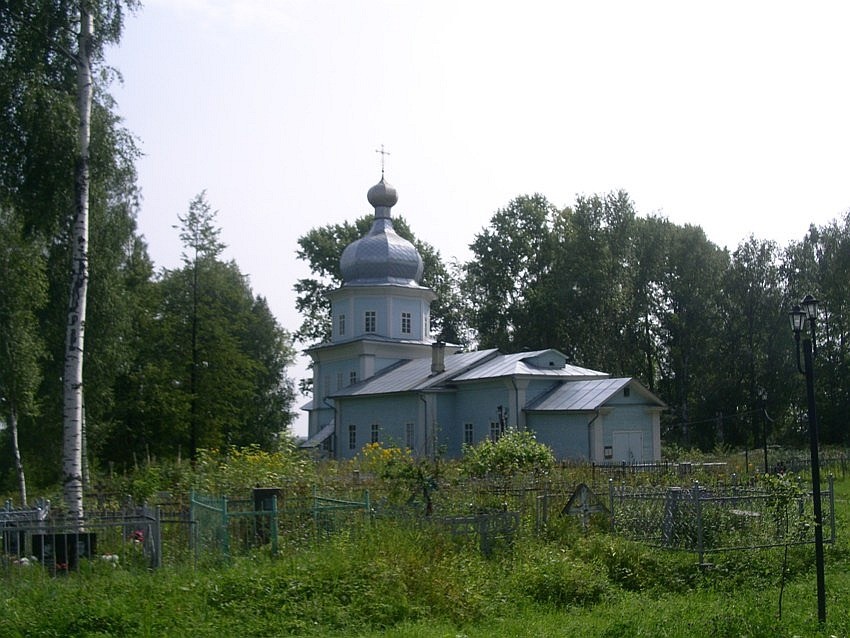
(628,447)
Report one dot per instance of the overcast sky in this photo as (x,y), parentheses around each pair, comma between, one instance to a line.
(734,116)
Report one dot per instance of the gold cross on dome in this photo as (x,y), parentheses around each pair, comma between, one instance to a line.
(383,157)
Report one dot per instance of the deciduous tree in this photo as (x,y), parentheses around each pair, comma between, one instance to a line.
(23,289)
(511,258)
(211,363)
(50,54)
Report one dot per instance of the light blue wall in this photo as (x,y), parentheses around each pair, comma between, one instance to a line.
(388,316)
(414,307)
(383,362)
(446,421)
(388,309)
(392,413)
(566,434)
(323,416)
(330,371)
(476,404)
(630,417)
(361,305)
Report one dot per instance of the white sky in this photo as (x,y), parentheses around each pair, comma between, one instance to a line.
(730,115)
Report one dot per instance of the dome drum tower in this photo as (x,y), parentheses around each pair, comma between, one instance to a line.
(381,313)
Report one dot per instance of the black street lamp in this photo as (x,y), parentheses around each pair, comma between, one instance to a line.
(799,315)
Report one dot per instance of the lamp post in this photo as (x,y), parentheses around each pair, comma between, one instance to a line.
(762,394)
(809,310)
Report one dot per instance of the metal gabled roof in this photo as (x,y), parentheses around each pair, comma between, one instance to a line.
(584,396)
(507,365)
(317,439)
(414,375)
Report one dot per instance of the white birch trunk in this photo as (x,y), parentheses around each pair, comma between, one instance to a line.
(16,453)
(72,447)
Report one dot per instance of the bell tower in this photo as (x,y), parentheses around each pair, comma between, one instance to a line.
(381,313)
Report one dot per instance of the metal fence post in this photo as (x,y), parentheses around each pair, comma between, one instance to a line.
(544,514)
(225,536)
(157,539)
(193,526)
(315,510)
(274,525)
(831,480)
(698,507)
(671,513)
(611,500)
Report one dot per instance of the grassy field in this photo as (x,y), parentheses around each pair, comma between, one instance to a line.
(398,580)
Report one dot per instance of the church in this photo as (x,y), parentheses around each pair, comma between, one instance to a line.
(383,379)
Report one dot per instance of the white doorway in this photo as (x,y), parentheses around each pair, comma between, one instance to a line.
(628,447)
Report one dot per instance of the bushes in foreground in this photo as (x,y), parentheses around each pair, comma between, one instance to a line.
(393,577)
(377,578)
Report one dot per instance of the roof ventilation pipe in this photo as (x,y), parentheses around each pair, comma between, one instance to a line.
(438,357)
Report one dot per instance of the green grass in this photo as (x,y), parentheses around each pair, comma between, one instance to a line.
(400,582)
(396,580)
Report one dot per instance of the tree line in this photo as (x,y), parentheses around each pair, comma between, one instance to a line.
(705,328)
(187,358)
(175,359)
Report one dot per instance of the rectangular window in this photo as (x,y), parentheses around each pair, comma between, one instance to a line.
(408,436)
(352,437)
(371,320)
(341,325)
(352,378)
(405,323)
(468,434)
(339,380)
(376,433)
(495,431)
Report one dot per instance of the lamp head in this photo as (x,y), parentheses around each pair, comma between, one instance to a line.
(810,305)
(798,318)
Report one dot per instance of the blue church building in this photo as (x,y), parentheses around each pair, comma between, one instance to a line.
(383,378)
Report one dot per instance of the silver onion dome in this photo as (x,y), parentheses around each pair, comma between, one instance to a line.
(383,196)
(381,256)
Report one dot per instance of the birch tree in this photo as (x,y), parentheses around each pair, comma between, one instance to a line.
(89,51)
(49,54)
(22,294)
(72,421)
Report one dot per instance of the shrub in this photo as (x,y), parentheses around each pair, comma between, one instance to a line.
(515,452)
(404,476)
(385,462)
(241,468)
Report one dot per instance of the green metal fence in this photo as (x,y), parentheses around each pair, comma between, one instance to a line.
(221,525)
(329,514)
